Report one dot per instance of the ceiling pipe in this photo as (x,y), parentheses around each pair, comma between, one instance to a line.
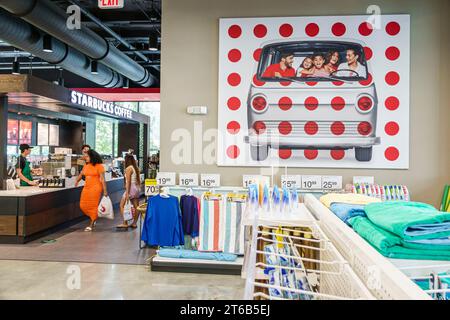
(108,30)
(48,17)
(24,36)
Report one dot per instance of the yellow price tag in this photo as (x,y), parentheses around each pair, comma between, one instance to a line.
(151,187)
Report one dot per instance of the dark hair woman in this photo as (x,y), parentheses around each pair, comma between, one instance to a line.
(93,187)
(132,190)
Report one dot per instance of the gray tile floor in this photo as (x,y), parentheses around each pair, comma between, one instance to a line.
(32,280)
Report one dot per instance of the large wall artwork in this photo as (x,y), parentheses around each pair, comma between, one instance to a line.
(314,91)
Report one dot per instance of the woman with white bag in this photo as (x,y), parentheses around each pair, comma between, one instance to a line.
(130,199)
(93,188)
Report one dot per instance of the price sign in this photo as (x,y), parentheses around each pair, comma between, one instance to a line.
(332,182)
(166,178)
(151,187)
(189,179)
(311,182)
(291,181)
(248,179)
(210,180)
(363,180)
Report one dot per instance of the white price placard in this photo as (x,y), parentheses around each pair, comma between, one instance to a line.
(210,180)
(363,180)
(151,187)
(248,179)
(166,178)
(332,182)
(293,181)
(311,182)
(189,179)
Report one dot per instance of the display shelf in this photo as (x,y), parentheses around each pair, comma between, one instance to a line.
(196,265)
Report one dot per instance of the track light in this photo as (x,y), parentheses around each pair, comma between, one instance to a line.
(16,67)
(47,44)
(126,85)
(61,78)
(94,67)
(153,42)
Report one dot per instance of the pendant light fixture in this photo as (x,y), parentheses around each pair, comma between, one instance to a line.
(153,42)
(47,43)
(94,67)
(16,67)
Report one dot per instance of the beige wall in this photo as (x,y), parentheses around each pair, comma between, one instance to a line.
(190,76)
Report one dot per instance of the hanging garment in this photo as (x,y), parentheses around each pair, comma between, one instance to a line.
(163,225)
(211,221)
(189,213)
(233,237)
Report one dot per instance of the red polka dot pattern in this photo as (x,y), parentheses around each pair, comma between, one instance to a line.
(392,78)
(285,127)
(233,127)
(368,53)
(285,153)
(234,31)
(368,81)
(311,83)
(337,154)
(392,128)
(285,103)
(260,31)
(338,83)
(338,103)
(257,54)
(392,28)
(311,154)
(311,128)
(312,29)
(233,151)
(364,128)
(392,103)
(234,103)
(260,127)
(286,30)
(311,103)
(392,53)
(234,79)
(257,82)
(234,55)
(337,128)
(365,29)
(338,29)
(391,153)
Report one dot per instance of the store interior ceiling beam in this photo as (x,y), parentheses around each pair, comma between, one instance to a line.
(50,18)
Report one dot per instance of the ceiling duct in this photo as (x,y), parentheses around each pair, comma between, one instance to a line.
(24,36)
(48,17)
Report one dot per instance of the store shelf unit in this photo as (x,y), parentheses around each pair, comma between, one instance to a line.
(316,268)
(382,278)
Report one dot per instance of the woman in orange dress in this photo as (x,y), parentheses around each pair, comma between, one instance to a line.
(93,187)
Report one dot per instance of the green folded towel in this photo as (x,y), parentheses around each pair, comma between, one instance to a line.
(391,246)
(409,220)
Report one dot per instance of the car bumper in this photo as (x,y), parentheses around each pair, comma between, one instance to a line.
(312,143)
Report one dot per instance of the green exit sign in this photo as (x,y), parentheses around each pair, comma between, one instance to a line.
(111,4)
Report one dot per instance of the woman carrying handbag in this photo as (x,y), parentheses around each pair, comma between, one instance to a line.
(130,199)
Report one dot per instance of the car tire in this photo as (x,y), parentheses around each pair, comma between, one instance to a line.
(259,153)
(363,154)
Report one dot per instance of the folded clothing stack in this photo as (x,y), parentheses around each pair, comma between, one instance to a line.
(405,230)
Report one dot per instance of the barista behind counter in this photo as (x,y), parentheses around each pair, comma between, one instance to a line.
(24,170)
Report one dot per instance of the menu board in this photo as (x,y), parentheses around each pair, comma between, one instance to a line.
(53,135)
(42,137)
(13,131)
(25,132)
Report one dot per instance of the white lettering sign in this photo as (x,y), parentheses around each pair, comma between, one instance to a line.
(100,105)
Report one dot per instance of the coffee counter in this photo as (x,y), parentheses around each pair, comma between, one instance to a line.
(31,212)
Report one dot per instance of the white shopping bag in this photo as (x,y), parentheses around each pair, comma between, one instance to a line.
(10,184)
(105,209)
(128,211)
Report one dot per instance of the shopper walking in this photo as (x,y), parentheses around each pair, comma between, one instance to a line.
(132,190)
(95,184)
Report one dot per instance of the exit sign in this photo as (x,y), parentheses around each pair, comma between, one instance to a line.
(111,4)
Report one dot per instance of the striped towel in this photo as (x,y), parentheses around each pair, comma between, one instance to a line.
(233,239)
(211,233)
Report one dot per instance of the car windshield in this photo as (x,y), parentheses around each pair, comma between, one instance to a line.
(313,61)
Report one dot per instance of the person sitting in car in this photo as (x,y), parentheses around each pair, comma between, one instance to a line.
(283,69)
(306,69)
(319,66)
(352,68)
(332,61)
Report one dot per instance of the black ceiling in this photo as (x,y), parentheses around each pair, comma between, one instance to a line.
(136,23)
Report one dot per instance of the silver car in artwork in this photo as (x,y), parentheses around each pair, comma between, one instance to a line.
(334,111)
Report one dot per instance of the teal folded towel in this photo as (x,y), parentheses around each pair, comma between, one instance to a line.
(409,220)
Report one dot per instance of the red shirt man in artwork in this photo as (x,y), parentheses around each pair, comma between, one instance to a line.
(283,69)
